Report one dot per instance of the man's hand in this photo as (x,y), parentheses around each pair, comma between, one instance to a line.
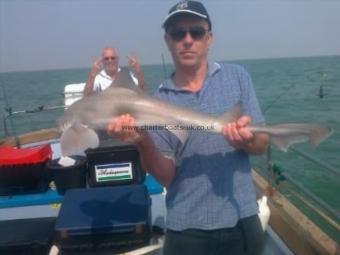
(237,133)
(124,128)
(240,137)
(135,66)
(96,67)
(133,63)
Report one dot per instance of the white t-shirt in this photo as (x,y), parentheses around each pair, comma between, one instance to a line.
(102,81)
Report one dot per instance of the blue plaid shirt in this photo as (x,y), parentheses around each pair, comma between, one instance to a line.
(212,187)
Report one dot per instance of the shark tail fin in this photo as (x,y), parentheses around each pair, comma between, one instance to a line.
(315,134)
(320,134)
(76,139)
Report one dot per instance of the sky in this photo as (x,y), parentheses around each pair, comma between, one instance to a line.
(60,34)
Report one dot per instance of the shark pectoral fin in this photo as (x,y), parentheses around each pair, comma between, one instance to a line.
(178,130)
(182,135)
(321,134)
(76,139)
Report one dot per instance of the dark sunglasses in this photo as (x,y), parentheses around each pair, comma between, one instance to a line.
(196,33)
(110,58)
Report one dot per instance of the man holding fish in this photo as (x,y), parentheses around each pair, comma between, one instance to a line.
(211,200)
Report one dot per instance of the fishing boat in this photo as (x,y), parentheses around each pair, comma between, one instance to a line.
(290,230)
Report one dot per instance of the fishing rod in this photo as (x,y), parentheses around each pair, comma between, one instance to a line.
(323,77)
(40,108)
(8,109)
(321,93)
(11,113)
(278,98)
(321,90)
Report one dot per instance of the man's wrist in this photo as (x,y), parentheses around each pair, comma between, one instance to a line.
(142,139)
(93,75)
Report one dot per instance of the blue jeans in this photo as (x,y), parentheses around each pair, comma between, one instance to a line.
(246,238)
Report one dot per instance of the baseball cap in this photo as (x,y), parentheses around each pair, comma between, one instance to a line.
(187,7)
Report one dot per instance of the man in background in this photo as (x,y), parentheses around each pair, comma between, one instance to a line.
(104,70)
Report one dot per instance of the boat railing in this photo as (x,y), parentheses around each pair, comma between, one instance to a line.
(318,210)
(317,161)
(9,113)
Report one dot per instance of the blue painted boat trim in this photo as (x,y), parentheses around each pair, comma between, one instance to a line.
(51,196)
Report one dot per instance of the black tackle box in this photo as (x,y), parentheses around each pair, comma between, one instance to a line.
(116,165)
(68,177)
(117,217)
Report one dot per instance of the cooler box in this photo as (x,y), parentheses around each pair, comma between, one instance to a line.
(23,170)
(116,165)
(117,217)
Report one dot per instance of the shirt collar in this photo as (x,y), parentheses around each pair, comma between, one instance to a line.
(168,84)
(213,67)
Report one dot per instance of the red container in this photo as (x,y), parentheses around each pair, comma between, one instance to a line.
(23,170)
